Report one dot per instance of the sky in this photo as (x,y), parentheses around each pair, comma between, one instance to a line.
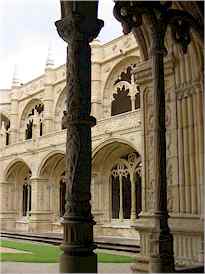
(27,30)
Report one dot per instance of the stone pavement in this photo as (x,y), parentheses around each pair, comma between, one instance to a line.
(26,268)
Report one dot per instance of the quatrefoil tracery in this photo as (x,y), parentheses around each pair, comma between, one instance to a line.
(121,170)
(127,167)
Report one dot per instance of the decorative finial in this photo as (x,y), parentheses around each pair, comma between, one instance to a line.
(50,59)
(16,80)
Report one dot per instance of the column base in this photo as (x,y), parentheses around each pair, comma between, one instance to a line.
(161,265)
(81,263)
(39,221)
(141,264)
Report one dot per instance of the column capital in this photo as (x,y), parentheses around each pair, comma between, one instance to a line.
(78,27)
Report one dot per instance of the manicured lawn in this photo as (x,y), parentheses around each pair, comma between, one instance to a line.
(45,253)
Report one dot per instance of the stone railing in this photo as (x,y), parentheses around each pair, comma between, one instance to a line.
(51,139)
(124,121)
(121,122)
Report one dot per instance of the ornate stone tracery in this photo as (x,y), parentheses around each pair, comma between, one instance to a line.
(26,206)
(127,93)
(126,187)
(32,120)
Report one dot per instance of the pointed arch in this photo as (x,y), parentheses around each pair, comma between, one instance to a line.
(27,108)
(46,158)
(12,164)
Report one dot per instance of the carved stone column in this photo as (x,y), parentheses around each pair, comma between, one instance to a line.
(78,28)
(158,16)
(161,240)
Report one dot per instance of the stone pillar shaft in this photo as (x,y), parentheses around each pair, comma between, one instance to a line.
(133,102)
(121,200)
(78,28)
(186,155)
(161,239)
(133,198)
(29,193)
(193,190)
(181,157)
(4,190)
(199,114)
(38,194)
(197,153)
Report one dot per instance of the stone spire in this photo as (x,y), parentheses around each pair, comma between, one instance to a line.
(50,59)
(16,79)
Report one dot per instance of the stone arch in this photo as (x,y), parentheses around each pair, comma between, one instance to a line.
(108,88)
(4,117)
(32,115)
(60,106)
(28,107)
(52,171)
(189,67)
(46,159)
(19,189)
(105,157)
(5,125)
(13,163)
(113,140)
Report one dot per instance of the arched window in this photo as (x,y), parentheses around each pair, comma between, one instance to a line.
(7,133)
(29,130)
(122,102)
(26,207)
(62,195)
(127,93)
(115,197)
(137,100)
(41,128)
(35,112)
(64,120)
(125,184)
(7,138)
(121,192)
(138,187)
(126,203)
(5,125)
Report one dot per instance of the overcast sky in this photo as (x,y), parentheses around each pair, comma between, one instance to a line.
(26,31)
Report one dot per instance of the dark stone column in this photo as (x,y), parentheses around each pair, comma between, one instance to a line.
(161,240)
(78,28)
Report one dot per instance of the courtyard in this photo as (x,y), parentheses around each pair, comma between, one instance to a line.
(17,256)
(108,145)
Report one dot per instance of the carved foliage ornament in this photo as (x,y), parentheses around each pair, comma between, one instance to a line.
(130,14)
